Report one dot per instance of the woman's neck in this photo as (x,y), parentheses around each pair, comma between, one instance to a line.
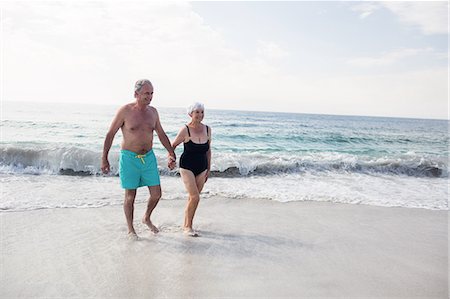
(195,124)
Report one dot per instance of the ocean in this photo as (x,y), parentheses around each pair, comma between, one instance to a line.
(50,158)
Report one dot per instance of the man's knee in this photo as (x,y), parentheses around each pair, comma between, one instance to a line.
(155,193)
(155,197)
(129,197)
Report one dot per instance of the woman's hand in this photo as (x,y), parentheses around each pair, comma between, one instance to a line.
(172,162)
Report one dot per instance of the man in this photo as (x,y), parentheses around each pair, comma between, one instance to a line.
(137,164)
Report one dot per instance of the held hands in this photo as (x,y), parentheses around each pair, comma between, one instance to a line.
(172,161)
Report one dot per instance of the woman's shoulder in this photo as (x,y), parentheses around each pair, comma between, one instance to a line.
(184,129)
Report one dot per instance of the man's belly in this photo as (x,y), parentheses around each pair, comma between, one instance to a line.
(137,146)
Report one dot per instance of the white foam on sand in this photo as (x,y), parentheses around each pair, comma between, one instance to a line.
(88,192)
(247,248)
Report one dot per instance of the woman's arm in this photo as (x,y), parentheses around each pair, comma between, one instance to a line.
(180,137)
(208,155)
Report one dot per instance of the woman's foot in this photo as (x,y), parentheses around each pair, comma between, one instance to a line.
(190,232)
(133,236)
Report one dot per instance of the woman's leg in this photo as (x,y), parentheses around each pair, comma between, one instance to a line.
(200,181)
(190,184)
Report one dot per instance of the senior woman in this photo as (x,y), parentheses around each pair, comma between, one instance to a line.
(195,162)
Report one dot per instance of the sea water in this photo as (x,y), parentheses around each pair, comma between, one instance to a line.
(50,156)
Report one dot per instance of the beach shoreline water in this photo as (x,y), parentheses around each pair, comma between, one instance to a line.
(247,248)
(57,148)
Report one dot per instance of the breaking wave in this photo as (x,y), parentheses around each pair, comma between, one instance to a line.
(82,162)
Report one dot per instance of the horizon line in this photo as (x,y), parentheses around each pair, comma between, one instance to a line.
(236,110)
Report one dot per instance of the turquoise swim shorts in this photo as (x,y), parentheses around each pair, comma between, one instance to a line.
(138,170)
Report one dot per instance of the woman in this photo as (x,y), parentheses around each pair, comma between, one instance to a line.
(195,162)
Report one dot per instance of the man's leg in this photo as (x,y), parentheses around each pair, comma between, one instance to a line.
(155,195)
(128,207)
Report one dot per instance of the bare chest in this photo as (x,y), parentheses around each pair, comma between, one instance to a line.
(137,121)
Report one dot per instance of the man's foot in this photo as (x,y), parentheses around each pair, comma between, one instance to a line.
(133,236)
(190,232)
(150,225)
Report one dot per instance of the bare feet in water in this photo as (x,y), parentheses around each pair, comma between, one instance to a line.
(133,236)
(190,232)
(150,225)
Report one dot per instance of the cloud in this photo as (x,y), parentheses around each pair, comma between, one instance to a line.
(389,58)
(365,9)
(430,17)
(271,50)
(408,94)
(93,52)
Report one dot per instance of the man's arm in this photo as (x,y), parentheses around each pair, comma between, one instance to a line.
(164,139)
(182,134)
(115,126)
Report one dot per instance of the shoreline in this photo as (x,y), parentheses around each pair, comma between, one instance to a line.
(247,248)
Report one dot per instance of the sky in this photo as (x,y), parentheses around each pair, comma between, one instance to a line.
(346,58)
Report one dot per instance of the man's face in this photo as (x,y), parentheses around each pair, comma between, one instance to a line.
(145,95)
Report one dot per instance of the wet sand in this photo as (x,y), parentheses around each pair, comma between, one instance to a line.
(247,248)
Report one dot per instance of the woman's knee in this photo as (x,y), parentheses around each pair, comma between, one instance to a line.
(194,197)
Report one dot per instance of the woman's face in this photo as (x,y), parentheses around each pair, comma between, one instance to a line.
(197,115)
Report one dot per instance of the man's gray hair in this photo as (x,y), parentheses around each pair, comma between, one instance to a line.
(140,83)
(195,106)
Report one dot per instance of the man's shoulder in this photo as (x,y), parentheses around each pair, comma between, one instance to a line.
(126,107)
(153,110)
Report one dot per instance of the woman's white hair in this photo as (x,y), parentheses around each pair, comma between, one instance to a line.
(195,106)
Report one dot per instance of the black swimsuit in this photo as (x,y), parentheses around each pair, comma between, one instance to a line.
(194,157)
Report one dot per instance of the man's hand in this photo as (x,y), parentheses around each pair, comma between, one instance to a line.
(105,166)
(172,161)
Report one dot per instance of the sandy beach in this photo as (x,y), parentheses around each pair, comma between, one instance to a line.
(323,127)
(247,248)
